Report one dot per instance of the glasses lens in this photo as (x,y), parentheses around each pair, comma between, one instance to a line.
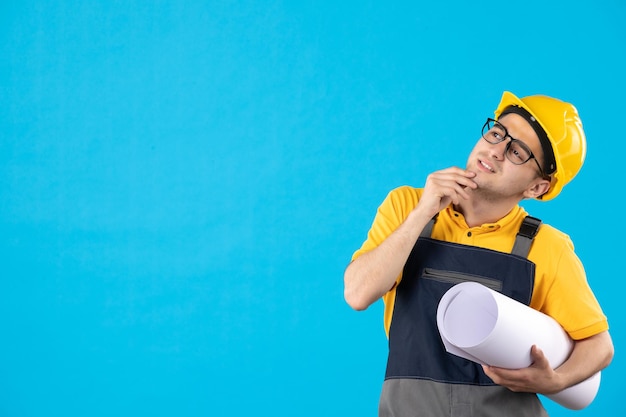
(517,152)
(493,132)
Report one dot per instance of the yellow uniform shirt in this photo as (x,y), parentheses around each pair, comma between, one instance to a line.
(560,290)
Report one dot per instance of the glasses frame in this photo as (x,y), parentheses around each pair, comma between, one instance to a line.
(508,145)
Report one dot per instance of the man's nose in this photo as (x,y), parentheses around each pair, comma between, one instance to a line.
(498,150)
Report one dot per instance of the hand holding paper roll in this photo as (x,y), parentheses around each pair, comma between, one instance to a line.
(489,328)
(537,378)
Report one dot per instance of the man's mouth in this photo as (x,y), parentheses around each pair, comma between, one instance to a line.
(485,165)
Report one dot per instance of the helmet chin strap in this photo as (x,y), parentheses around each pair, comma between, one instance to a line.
(548,154)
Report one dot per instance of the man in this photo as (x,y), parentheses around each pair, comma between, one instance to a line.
(464,225)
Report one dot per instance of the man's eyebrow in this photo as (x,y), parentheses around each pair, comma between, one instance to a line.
(498,124)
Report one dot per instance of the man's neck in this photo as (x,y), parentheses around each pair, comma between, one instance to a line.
(480,211)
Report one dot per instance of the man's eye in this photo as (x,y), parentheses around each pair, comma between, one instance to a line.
(518,153)
(497,135)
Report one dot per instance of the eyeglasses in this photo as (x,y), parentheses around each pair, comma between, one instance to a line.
(516,151)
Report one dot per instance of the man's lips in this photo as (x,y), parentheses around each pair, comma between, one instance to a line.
(485,166)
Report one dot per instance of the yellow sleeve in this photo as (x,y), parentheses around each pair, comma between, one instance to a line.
(567,296)
(389,216)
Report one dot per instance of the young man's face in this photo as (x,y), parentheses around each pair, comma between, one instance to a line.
(497,177)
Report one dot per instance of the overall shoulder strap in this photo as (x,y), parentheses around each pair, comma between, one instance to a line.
(428,229)
(525,236)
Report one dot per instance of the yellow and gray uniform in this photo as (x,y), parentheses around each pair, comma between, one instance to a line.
(420,378)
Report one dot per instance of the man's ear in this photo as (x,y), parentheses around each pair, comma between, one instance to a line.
(537,189)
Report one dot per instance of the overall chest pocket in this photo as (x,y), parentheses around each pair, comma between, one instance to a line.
(454,277)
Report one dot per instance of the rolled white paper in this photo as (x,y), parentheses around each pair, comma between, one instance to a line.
(489,328)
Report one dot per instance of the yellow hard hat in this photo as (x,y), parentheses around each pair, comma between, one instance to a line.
(564,130)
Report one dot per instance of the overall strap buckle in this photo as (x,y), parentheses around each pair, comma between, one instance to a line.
(525,235)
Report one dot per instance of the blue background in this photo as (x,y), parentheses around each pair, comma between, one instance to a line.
(183,183)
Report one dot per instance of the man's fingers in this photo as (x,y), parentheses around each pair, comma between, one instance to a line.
(538,357)
(449,185)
